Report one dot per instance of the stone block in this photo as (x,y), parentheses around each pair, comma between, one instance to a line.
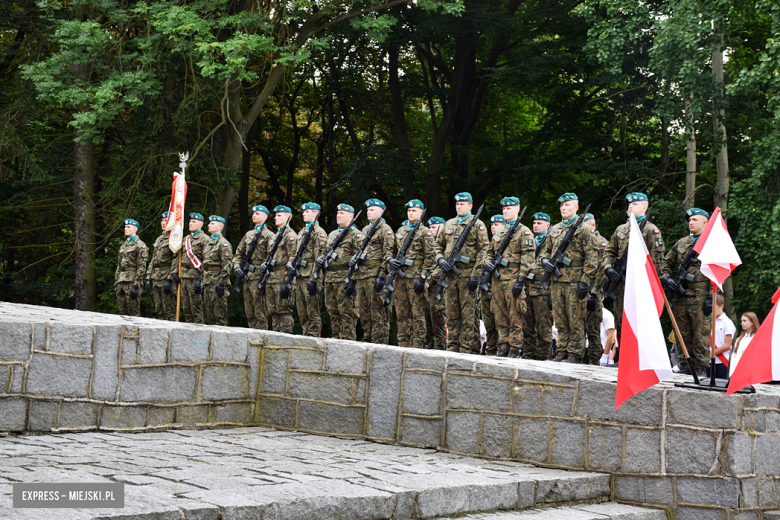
(772,421)
(123,417)
(542,400)
(152,345)
(422,393)
(43,415)
(423,433)
(78,415)
(17,379)
(159,415)
(384,387)
(276,412)
(531,443)
(240,413)
(105,363)
(38,336)
(478,393)
(568,444)
(254,369)
(497,367)
(58,375)
(740,453)
(432,360)
(645,490)
(690,451)
(464,362)
(190,344)
(769,493)
(345,357)
(772,515)
(543,374)
(360,393)
(15,341)
(224,382)
(130,355)
(749,492)
(5,378)
(643,451)
(280,339)
(597,401)
(713,491)
(191,416)
(274,371)
(167,384)
(749,515)
(322,387)
(13,414)
(305,359)
(229,346)
(605,448)
(695,513)
(755,420)
(498,433)
(708,409)
(767,454)
(70,338)
(328,418)
(760,400)
(463,432)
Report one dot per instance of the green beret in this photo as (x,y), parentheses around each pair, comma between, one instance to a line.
(163,215)
(375,202)
(696,211)
(497,219)
(311,205)
(282,209)
(567,197)
(435,220)
(414,203)
(260,208)
(510,201)
(588,216)
(540,216)
(131,222)
(463,196)
(635,197)
(345,207)
(216,218)
(196,216)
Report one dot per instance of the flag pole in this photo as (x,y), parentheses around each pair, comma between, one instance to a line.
(178,290)
(712,336)
(680,339)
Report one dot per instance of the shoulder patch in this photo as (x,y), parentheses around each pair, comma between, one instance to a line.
(430,234)
(292,238)
(603,244)
(482,228)
(143,247)
(389,232)
(360,236)
(322,235)
(226,245)
(527,233)
(656,232)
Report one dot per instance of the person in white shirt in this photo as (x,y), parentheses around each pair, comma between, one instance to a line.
(608,338)
(724,333)
(750,326)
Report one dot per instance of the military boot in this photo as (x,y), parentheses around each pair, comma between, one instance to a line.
(502,352)
(514,353)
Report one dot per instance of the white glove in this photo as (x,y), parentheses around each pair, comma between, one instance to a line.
(611,361)
(603,360)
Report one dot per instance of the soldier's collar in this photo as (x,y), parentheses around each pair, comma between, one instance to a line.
(410,225)
(540,237)
(509,224)
(130,239)
(568,222)
(259,227)
(309,224)
(462,219)
(215,235)
(195,233)
(694,238)
(640,219)
(377,221)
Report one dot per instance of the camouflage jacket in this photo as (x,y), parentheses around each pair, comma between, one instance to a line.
(337,267)
(697,284)
(535,273)
(420,251)
(162,260)
(284,253)
(519,254)
(600,243)
(377,252)
(260,253)
(198,243)
(315,248)
(216,261)
(474,248)
(581,251)
(619,241)
(132,261)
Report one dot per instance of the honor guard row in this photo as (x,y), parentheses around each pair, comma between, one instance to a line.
(441,276)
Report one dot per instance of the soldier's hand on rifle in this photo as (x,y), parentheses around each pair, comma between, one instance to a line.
(312,287)
(591,305)
(548,266)
(199,287)
(291,270)
(285,291)
(220,290)
(612,274)
(444,265)
(353,261)
(320,262)
(134,292)
(490,266)
(176,278)
(582,290)
(419,285)
(239,272)
(168,286)
(395,264)
(517,288)
(379,283)
(670,284)
(148,285)
(472,284)
(706,305)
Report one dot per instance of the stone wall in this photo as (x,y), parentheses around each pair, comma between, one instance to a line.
(698,455)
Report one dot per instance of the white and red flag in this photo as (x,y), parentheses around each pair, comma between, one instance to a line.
(644,360)
(717,253)
(760,362)
(175,222)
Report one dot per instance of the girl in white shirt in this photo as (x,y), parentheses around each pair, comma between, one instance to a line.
(750,325)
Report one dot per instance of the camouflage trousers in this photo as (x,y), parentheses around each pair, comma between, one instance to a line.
(410,311)
(192,303)
(374,316)
(462,317)
(279,310)
(435,320)
(254,306)
(308,307)
(508,312)
(128,306)
(489,319)
(537,328)
(341,309)
(164,304)
(569,315)
(617,308)
(216,307)
(593,333)
(694,328)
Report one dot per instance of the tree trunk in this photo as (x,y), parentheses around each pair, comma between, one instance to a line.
(245,218)
(84,218)
(690,175)
(401,131)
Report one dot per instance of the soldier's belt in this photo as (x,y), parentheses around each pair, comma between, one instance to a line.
(372,262)
(278,268)
(567,262)
(258,262)
(409,262)
(512,265)
(337,267)
(213,268)
(698,285)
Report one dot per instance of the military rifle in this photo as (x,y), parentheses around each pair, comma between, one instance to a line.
(266,266)
(401,257)
(245,263)
(558,259)
(499,260)
(297,262)
(456,258)
(683,276)
(620,265)
(349,283)
(330,254)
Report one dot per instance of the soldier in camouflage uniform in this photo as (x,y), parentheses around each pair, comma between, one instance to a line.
(594,306)
(692,307)
(191,282)
(371,274)
(254,302)
(569,291)
(307,297)
(340,306)
(280,309)
(497,229)
(537,321)
(409,294)
(461,298)
(435,310)
(217,256)
(130,269)
(637,204)
(161,274)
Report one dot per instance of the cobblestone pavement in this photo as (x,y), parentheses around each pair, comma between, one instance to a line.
(264,473)
(603,511)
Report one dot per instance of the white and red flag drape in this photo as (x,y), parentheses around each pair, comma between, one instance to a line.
(175,222)
(644,360)
(717,253)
